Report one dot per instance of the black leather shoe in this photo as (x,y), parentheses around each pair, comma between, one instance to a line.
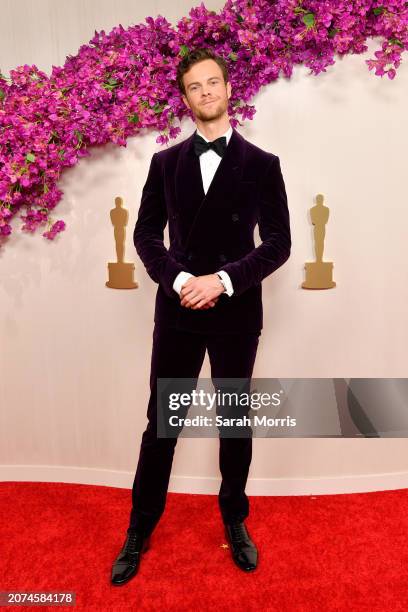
(244,551)
(128,560)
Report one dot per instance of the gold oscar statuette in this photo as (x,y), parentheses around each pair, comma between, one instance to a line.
(120,272)
(319,273)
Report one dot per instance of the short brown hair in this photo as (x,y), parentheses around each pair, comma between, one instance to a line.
(193,57)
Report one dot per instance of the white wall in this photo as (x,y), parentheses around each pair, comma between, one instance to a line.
(75,355)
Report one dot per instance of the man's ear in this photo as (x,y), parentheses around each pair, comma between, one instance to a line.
(228,89)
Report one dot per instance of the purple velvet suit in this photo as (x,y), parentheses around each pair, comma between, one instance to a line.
(208,232)
(213,231)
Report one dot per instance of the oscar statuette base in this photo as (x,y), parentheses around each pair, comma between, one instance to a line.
(121,276)
(319,275)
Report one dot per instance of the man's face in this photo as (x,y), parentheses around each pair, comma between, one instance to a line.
(206,93)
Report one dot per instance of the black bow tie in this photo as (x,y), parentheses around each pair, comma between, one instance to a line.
(219,145)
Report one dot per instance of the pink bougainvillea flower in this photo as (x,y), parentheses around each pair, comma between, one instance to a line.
(124,82)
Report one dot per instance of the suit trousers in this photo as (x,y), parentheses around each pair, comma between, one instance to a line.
(180,354)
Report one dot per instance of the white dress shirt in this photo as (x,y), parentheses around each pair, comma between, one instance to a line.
(209,161)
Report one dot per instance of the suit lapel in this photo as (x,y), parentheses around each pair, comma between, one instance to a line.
(195,206)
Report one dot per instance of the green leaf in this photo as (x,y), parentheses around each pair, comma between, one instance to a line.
(379,10)
(30,157)
(233,56)
(2,95)
(158,107)
(240,18)
(396,41)
(309,20)
(333,32)
(133,118)
(184,50)
(110,84)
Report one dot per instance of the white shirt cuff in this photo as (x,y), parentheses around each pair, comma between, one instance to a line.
(180,280)
(227,281)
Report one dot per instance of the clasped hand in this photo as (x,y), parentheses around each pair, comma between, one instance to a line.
(201,292)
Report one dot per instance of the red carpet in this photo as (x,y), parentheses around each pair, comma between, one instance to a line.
(331,552)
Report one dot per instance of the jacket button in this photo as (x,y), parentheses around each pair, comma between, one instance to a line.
(189,256)
(174,216)
(222,257)
(235,216)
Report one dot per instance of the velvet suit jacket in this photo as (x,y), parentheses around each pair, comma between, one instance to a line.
(213,231)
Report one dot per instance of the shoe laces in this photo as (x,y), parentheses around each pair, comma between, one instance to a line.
(238,532)
(133,542)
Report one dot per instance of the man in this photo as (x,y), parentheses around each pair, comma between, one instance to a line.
(212,189)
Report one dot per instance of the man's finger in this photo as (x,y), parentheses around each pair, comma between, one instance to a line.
(187,291)
(187,299)
(193,300)
(200,303)
(189,282)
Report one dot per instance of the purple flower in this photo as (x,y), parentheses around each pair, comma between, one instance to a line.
(123,82)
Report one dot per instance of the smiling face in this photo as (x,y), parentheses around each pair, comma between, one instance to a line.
(207,94)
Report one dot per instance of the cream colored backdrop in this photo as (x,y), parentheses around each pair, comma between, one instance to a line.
(75,355)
